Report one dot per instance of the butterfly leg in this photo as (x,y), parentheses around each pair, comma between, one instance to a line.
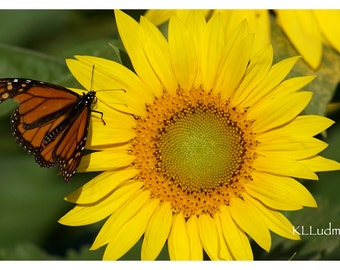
(101,116)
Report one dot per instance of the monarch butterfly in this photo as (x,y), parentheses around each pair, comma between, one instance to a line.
(51,122)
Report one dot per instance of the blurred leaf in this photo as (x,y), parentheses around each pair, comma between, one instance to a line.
(17,62)
(30,26)
(84,254)
(53,31)
(104,48)
(25,251)
(22,63)
(328,75)
(31,199)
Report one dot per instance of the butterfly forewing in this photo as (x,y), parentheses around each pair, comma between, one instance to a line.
(38,101)
(50,123)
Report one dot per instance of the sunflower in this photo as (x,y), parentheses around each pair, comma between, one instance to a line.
(201,149)
(307,30)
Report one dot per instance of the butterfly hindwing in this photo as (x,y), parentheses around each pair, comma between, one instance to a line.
(67,153)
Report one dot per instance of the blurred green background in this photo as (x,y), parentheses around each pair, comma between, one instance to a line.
(34,44)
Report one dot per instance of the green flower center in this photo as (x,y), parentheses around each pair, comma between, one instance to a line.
(200,149)
(194,150)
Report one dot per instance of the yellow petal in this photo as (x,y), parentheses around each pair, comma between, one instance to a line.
(100,186)
(258,21)
(278,110)
(196,250)
(108,136)
(157,52)
(249,220)
(303,31)
(232,21)
(223,249)
(238,40)
(118,128)
(90,213)
(321,164)
(228,79)
(183,14)
(157,232)
(104,161)
(284,166)
(275,221)
(127,236)
(129,31)
(196,24)
(279,192)
(291,148)
(208,235)
(293,84)
(178,242)
(257,70)
(301,126)
(157,16)
(235,238)
(120,218)
(327,19)
(210,51)
(274,77)
(183,53)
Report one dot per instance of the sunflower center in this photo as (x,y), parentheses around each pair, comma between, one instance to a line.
(194,150)
(200,150)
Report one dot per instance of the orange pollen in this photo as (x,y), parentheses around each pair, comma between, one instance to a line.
(194,150)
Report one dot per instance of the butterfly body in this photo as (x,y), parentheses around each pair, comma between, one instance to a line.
(51,122)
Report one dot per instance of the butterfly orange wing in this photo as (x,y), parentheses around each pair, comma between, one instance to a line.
(50,123)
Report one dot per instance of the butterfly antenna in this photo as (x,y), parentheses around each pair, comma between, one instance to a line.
(92,78)
(119,89)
